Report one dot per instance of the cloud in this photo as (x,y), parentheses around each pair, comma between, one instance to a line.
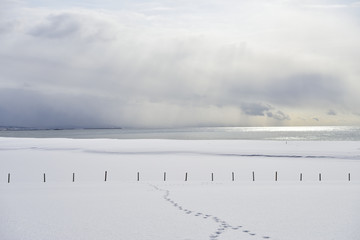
(355,4)
(331,113)
(278,115)
(7,27)
(328,6)
(57,26)
(306,88)
(166,64)
(74,25)
(294,90)
(20,107)
(255,109)
(261,109)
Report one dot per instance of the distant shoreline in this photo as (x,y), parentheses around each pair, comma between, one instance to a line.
(53,129)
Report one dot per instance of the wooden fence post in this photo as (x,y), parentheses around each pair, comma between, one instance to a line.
(276,176)
(44,178)
(301,177)
(138,176)
(105,176)
(73,179)
(320,177)
(212,177)
(8,177)
(164,176)
(349,177)
(233,176)
(253,176)
(186,176)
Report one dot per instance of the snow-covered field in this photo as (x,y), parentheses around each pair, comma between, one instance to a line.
(229,206)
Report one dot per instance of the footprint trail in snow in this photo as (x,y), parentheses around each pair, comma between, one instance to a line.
(223,225)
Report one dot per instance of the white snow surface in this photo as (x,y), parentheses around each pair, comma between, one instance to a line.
(200,208)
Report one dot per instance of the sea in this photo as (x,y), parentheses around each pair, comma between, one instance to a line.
(327,133)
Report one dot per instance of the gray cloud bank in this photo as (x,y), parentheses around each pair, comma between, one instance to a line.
(162,65)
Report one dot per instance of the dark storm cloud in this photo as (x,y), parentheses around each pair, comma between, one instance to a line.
(20,107)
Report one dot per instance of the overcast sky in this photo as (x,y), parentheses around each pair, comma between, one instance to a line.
(165,63)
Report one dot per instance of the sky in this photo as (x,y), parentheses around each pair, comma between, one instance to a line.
(185,63)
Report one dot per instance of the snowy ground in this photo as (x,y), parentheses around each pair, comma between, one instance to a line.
(151,208)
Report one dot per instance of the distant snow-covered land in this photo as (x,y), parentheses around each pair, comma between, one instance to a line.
(219,200)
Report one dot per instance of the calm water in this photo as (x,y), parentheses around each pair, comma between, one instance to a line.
(245,133)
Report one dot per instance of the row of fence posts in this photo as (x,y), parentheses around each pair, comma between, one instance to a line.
(186,177)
